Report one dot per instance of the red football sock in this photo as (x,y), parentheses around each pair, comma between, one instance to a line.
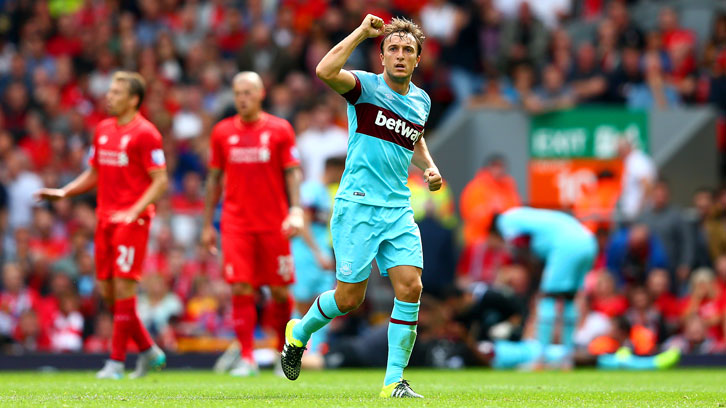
(139,334)
(244,316)
(277,314)
(124,309)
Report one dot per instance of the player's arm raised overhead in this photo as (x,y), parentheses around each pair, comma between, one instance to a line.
(330,69)
(423,160)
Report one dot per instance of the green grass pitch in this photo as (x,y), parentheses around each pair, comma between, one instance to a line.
(359,388)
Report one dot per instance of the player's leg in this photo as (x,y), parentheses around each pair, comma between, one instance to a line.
(583,255)
(129,242)
(239,266)
(401,257)
(276,270)
(104,253)
(355,243)
(624,359)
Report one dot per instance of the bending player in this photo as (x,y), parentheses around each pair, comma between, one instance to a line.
(312,252)
(372,216)
(128,166)
(260,211)
(568,250)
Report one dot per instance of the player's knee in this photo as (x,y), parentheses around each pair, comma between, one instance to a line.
(349,302)
(410,291)
(242,289)
(280,294)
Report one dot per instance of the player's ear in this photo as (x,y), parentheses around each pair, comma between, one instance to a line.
(418,59)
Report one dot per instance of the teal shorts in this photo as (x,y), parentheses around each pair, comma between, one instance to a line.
(567,264)
(362,233)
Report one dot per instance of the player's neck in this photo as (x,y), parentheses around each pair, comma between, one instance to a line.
(400,88)
(251,118)
(125,118)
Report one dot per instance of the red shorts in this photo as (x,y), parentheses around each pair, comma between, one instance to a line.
(257,258)
(121,249)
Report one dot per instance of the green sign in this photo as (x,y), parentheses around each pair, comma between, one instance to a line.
(586,133)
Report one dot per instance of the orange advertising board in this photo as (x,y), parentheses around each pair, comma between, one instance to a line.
(558,183)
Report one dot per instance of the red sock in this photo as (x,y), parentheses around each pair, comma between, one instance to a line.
(122,326)
(244,316)
(139,334)
(277,315)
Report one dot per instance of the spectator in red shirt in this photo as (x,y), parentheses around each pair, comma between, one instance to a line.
(100,340)
(658,285)
(67,325)
(481,261)
(30,335)
(703,301)
(605,299)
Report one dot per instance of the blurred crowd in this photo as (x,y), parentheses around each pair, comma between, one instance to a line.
(666,272)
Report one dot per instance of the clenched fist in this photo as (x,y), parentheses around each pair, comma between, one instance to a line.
(433,178)
(372,26)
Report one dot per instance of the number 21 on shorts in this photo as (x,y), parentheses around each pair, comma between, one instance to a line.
(125,257)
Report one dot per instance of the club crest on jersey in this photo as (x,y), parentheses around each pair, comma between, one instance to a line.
(265,138)
(398,126)
(346,268)
(234,139)
(125,141)
(102,139)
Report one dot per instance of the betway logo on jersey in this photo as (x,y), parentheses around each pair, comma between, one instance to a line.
(384,124)
(397,125)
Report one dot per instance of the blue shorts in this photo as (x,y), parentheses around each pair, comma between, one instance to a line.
(363,232)
(567,264)
(310,279)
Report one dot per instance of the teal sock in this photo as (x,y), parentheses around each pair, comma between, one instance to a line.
(569,322)
(323,310)
(512,354)
(625,361)
(401,337)
(546,315)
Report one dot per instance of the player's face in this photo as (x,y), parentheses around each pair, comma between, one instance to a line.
(119,99)
(248,97)
(399,56)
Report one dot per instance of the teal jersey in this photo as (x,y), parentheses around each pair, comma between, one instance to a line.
(547,229)
(383,128)
(314,197)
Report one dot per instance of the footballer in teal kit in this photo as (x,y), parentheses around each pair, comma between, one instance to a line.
(372,216)
(568,250)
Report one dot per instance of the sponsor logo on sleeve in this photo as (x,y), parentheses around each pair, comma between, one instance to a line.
(157,157)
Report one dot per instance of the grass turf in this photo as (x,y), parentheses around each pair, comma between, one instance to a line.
(359,388)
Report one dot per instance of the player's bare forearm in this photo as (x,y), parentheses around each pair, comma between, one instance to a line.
(293,178)
(157,188)
(330,68)
(81,184)
(423,160)
(212,195)
(421,156)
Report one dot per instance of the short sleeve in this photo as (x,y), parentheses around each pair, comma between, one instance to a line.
(364,85)
(289,155)
(151,152)
(507,228)
(216,151)
(92,159)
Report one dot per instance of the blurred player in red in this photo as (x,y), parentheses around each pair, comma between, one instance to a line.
(256,154)
(127,164)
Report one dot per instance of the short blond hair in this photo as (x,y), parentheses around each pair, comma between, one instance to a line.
(137,84)
(403,26)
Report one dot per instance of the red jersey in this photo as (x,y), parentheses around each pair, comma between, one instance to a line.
(123,157)
(254,157)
